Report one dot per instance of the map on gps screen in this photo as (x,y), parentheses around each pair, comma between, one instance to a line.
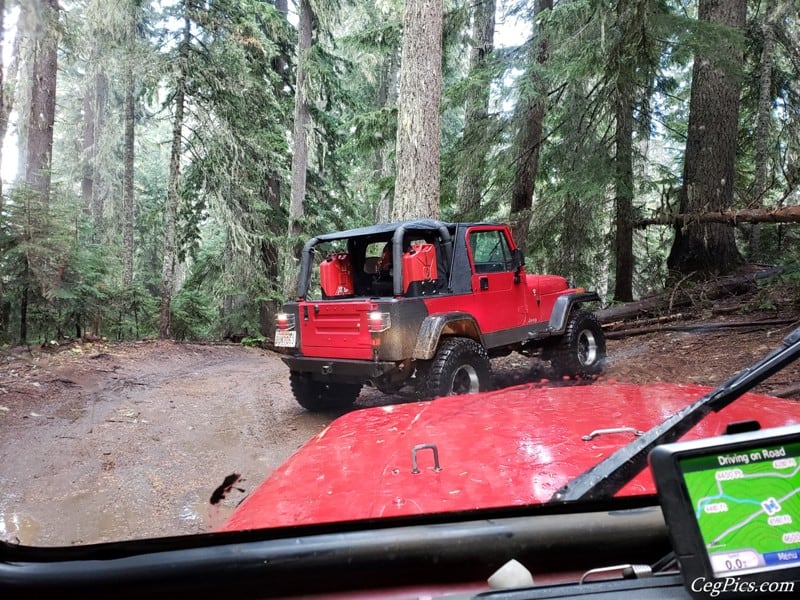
(747,504)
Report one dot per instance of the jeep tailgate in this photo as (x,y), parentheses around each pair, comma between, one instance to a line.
(337,329)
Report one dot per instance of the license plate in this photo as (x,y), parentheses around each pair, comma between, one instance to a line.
(285,339)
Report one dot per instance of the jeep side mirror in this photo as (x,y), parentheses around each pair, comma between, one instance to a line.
(518,257)
(518,260)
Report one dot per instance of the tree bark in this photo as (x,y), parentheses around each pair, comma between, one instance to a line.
(476,110)
(530,117)
(416,191)
(173,189)
(709,161)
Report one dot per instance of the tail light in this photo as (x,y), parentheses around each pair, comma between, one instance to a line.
(284,321)
(378,321)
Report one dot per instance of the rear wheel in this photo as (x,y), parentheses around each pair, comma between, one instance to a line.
(581,352)
(461,366)
(319,395)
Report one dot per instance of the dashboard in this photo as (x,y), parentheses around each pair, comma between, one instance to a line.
(433,558)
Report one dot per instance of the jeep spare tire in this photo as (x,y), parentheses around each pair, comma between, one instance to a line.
(460,366)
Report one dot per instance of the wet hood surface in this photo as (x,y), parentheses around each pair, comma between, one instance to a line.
(515,446)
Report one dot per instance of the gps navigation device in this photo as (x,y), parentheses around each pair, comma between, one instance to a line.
(732,508)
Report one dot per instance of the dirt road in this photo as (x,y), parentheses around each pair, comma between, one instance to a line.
(113,441)
(99,444)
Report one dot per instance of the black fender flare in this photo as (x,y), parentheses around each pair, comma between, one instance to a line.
(460,324)
(563,306)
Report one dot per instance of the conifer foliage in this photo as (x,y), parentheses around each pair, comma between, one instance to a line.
(157,153)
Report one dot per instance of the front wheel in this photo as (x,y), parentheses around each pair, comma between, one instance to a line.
(460,366)
(581,352)
(319,395)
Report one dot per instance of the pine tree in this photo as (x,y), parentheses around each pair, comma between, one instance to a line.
(170,258)
(708,172)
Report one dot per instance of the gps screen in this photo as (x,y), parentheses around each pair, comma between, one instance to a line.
(747,504)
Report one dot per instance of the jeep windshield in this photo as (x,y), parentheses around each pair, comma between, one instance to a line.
(398,299)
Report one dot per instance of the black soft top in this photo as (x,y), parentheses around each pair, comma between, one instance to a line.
(383,228)
(394,231)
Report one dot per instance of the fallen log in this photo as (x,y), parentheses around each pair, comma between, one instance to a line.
(619,325)
(698,327)
(682,296)
(786,214)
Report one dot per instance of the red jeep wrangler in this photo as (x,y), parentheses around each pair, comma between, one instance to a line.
(427,303)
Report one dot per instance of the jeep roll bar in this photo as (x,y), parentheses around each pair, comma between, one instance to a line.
(399,230)
(397,249)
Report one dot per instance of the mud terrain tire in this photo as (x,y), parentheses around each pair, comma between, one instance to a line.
(460,366)
(581,352)
(317,395)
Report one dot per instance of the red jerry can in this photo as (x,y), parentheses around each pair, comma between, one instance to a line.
(419,264)
(336,275)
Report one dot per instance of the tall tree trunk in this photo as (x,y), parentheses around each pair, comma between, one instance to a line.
(529,117)
(302,120)
(94,113)
(269,250)
(270,258)
(416,190)
(708,170)
(629,26)
(39,131)
(127,181)
(88,148)
(762,124)
(384,166)
(173,189)
(477,109)
(41,117)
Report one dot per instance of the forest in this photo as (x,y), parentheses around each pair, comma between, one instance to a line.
(164,160)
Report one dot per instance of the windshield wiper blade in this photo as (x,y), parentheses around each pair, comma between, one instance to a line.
(610,475)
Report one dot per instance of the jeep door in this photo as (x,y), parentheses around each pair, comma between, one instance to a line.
(498,290)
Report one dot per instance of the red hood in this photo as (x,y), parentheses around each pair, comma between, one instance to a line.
(511,446)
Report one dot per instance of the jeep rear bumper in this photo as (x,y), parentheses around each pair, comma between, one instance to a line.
(339,370)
